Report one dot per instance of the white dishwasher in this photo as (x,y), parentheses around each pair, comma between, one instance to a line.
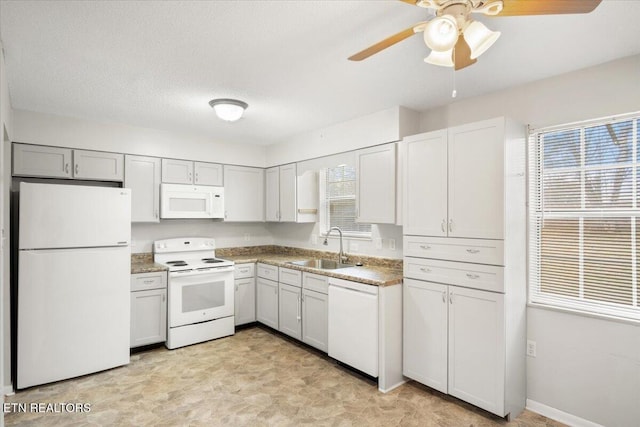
(353,324)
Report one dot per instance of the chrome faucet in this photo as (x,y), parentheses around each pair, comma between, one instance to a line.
(342,257)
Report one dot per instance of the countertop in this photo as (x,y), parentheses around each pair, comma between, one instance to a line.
(368,273)
(143,263)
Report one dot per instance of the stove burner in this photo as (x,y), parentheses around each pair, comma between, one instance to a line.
(211,260)
(177,263)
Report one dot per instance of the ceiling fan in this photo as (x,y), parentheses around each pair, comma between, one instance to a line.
(456,40)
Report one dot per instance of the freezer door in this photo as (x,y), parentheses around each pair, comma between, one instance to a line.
(73,216)
(73,313)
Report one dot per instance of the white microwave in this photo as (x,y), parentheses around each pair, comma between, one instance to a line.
(191,201)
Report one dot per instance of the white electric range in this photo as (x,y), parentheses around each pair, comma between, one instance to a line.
(200,302)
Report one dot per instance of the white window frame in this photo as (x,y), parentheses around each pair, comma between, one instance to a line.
(324,221)
(538,213)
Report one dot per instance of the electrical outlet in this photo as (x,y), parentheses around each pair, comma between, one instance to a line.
(378,243)
(531,348)
(247,237)
(392,244)
(314,239)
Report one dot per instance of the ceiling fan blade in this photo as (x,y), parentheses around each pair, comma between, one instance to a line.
(412,2)
(462,54)
(547,7)
(389,41)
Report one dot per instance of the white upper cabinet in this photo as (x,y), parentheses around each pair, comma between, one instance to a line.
(177,171)
(476,180)
(288,193)
(454,181)
(281,205)
(376,185)
(98,165)
(36,160)
(54,162)
(142,176)
(208,174)
(244,193)
(272,194)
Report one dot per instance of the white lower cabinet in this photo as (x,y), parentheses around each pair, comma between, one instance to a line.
(267,302)
(290,310)
(245,294)
(315,311)
(148,308)
(454,341)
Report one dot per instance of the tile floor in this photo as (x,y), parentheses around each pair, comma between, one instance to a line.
(254,378)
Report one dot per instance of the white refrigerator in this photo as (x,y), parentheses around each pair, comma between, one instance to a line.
(73,281)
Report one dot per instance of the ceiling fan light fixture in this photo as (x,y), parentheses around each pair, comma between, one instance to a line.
(443,59)
(441,33)
(229,110)
(479,38)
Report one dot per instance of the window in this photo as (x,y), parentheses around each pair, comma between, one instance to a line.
(339,207)
(584,242)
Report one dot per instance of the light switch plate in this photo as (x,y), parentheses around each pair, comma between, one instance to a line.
(392,244)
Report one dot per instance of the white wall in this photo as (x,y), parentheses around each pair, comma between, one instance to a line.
(226,234)
(373,129)
(6,131)
(49,129)
(586,367)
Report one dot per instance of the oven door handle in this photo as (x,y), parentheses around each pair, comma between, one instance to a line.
(212,270)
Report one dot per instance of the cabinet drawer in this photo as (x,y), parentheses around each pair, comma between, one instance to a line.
(477,276)
(315,282)
(290,277)
(453,249)
(268,271)
(146,281)
(243,271)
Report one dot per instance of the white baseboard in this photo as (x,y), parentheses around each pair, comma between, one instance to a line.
(558,415)
(393,387)
(8,390)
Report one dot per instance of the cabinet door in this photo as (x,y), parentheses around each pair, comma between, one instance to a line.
(98,165)
(376,184)
(477,348)
(288,206)
(244,193)
(425,198)
(142,176)
(36,160)
(425,333)
(245,301)
(272,192)
(267,302)
(476,180)
(314,319)
(207,173)
(148,317)
(177,171)
(290,311)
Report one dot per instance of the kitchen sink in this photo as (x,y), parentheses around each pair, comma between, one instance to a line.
(322,264)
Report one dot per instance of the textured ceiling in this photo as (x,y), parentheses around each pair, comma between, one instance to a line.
(157,64)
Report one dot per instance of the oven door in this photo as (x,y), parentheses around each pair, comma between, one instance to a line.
(199,296)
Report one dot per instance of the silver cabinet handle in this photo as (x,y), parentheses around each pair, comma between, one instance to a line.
(451,298)
(156,213)
(473,276)
(148,282)
(473,251)
(164,297)
(66,168)
(444,296)
(450,226)
(425,269)
(196,177)
(299,317)
(190,176)
(226,214)
(76,168)
(442,226)
(425,247)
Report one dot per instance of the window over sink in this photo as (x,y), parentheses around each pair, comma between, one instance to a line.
(338,202)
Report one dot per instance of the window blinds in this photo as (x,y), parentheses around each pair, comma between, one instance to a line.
(584,217)
(340,201)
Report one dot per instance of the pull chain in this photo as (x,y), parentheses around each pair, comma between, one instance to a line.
(453,70)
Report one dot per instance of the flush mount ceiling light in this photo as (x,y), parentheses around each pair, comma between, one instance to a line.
(227,109)
(442,34)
